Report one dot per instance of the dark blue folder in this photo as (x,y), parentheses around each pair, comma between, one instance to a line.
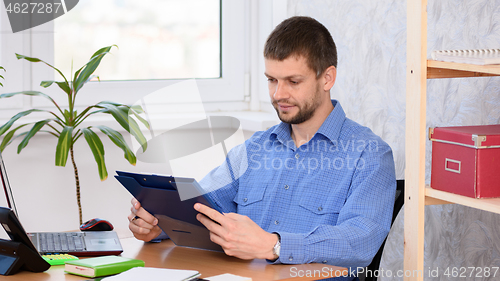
(160,196)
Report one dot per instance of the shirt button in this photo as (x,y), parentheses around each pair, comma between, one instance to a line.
(290,258)
(325,261)
(276,222)
(286,186)
(320,209)
(297,156)
(245,200)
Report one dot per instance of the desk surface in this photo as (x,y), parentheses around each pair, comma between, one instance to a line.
(167,255)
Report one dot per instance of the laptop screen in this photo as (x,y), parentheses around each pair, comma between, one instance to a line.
(6,188)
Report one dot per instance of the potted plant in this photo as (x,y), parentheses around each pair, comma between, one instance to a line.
(66,124)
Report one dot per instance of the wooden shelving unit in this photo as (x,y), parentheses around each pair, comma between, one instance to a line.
(417,194)
(441,69)
(434,196)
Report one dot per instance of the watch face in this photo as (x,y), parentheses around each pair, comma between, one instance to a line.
(277,248)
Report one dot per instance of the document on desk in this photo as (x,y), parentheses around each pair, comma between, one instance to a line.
(154,274)
(228,277)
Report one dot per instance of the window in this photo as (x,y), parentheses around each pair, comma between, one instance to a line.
(220,89)
(157,39)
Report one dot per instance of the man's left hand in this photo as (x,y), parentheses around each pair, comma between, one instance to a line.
(238,235)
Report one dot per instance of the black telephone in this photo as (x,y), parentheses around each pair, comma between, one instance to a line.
(18,253)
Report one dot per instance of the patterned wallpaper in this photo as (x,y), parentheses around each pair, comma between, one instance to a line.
(371,42)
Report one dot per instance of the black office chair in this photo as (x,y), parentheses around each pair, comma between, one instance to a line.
(398,203)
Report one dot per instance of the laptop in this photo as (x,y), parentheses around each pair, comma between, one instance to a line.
(81,243)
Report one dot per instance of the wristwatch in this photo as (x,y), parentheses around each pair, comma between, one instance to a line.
(277,248)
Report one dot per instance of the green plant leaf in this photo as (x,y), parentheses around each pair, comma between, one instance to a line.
(33,93)
(46,84)
(103,110)
(83,74)
(1,75)
(118,139)
(90,78)
(67,115)
(28,93)
(63,85)
(143,121)
(131,110)
(15,137)
(63,145)
(121,116)
(97,148)
(7,139)
(137,108)
(110,102)
(82,116)
(38,125)
(9,123)
(30,59)
(137,133)
(49,132)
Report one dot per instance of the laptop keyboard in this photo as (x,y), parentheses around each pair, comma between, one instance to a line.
(61,242)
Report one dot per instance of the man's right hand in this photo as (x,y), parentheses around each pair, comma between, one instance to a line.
(143,225)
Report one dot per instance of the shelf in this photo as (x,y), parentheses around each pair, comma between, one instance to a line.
(434,196)
(441,69)
(418,70)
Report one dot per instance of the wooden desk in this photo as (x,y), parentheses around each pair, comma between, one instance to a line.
(167,255)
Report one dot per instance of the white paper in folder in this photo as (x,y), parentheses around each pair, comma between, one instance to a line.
(228,277)
(154,274)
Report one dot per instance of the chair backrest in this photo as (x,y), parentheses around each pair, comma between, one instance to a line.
(398,203)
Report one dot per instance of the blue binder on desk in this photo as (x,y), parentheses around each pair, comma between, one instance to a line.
(161,196)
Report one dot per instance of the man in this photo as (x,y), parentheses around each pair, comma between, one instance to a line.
(317,187)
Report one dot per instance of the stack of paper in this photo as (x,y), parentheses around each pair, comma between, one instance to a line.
(480,57)
(228,277)
(155,274)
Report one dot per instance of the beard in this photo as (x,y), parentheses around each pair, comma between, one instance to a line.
(306,110)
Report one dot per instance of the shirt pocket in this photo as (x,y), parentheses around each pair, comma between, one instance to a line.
(249,196)
(320,204)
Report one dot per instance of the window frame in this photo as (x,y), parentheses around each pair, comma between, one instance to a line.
(224,93)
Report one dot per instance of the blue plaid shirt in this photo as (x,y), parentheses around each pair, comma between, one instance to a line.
(330,200)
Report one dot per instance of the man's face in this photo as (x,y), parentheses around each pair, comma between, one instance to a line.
(294,90)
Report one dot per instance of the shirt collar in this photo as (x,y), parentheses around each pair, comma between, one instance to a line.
(330,128)
(333,123)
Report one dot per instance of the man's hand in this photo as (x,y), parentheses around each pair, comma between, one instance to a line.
(143,225)
(238,235)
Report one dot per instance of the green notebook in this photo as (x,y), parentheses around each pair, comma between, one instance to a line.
(101,266)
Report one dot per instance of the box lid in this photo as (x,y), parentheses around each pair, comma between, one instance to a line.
(485,136)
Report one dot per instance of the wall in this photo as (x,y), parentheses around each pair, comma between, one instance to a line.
(370,38)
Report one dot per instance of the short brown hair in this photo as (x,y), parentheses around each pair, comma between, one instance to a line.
(302,36)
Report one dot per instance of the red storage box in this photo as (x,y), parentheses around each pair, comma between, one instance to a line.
(466,160)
